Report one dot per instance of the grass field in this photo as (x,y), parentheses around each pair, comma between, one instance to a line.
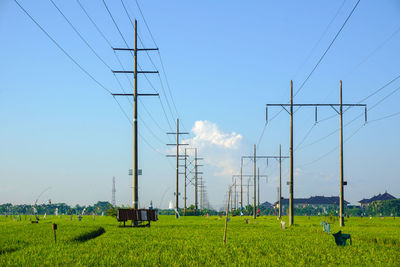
(197,241)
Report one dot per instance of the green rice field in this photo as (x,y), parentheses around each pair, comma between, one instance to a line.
(197,241)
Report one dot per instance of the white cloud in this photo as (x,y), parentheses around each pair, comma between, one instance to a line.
(219,149)
(207,133)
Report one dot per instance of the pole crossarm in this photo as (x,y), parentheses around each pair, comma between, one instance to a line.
(338,107)
(265,157)
(248,176)
(136,94)
(333,106)
(177,144)
(132,49)
(132,72)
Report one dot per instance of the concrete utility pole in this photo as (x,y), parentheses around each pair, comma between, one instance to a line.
(340,113)
(177,163)
(135,194)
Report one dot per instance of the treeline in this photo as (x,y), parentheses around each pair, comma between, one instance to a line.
(377,208)
(50,209)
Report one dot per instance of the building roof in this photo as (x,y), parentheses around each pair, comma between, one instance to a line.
(381,197)
(266,204)
(316,200)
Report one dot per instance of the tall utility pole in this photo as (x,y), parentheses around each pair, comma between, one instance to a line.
(254,158)
(195,182)
(241,184)
(113,193)
(177,163)
(254,193)
(185,173)
(249,176)
(135,194)
(258,188)
(291,208)
(196,173)
(248,192)
(280,182)
(341,212)
(235,206)
(340,113)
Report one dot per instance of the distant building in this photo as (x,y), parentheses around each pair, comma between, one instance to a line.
(381,197)
(316,201)
(266,205)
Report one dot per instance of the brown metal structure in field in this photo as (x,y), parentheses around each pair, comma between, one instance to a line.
(137,216)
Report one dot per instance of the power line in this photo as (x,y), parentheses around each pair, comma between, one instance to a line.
(320,38)
(362,100)
(80,35)
(327,49)
(375,50)
(355,132)
(62,49)
(80,67)
(108,42)
(161,61)
(305,137)
(95,25)
(123,38)
(385,117)
(152,62)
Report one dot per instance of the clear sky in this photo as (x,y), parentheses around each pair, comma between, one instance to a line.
(224,61)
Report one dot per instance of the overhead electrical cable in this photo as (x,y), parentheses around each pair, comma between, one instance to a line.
(327,49)
(155,67)
(161,61)
(80,67)
(320,38)
(62,49)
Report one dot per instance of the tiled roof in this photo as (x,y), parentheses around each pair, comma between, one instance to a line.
(381,197)
(316,200)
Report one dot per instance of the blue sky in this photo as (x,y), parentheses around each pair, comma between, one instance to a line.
(224,61)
